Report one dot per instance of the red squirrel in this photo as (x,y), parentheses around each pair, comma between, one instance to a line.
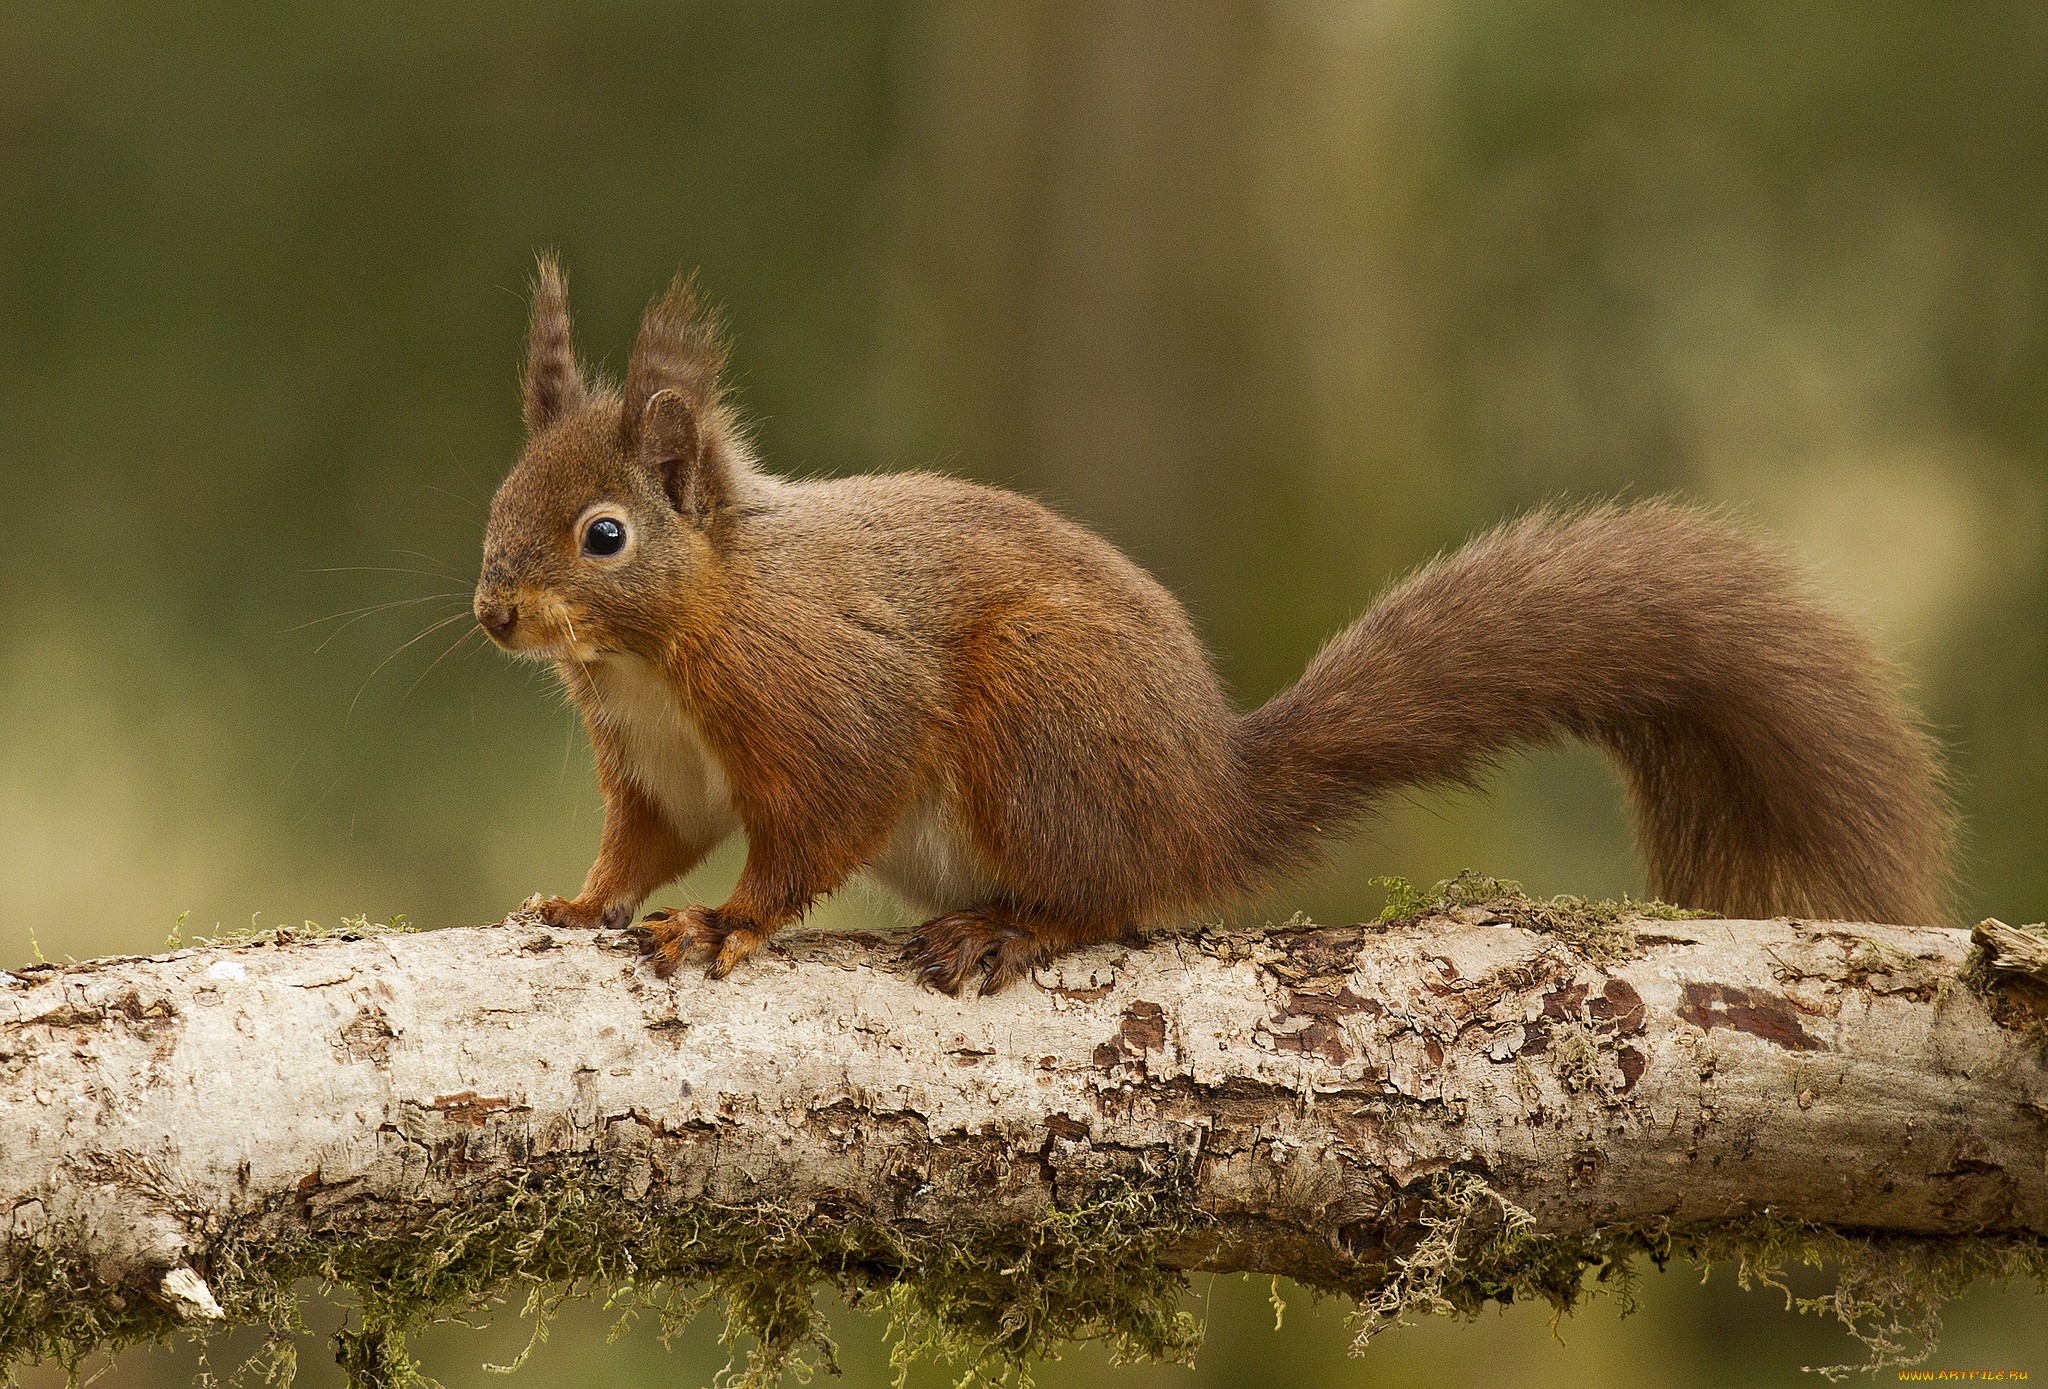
(996,713)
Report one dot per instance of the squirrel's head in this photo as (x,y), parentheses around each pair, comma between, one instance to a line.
(605,532)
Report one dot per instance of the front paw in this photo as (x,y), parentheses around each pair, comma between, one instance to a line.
(576,913)
(673,936)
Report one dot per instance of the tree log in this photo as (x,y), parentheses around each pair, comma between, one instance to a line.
(1481,1102)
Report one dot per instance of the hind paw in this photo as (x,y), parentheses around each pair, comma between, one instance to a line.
(948,950)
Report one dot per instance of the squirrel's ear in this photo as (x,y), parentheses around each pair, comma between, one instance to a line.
(552,382)
(673,410)
(679,349)
(672,448)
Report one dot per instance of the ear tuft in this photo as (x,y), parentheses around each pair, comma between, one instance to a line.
(672,447)
(552,384)
(681,348)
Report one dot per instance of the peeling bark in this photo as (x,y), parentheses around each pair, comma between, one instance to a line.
(2014,949)
(1298,1088)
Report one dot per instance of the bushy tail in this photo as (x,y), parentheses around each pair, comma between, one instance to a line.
(1771,767)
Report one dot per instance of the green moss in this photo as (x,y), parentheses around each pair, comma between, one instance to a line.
(1083,1274)
(49,1311)
(59,1312)
(1888,1291)
(348,928)
(1477,1247)
(992,1298)
(1597,929)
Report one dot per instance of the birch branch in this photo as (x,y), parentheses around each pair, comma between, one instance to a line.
(1478,1104)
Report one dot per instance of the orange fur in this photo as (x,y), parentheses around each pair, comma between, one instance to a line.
(995,711)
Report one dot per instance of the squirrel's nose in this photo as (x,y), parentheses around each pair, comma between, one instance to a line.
(497,618)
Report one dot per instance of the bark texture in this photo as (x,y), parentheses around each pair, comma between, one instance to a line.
(1295,1098)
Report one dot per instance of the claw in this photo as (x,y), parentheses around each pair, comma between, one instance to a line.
(946,951)
(738,944)
(673,936)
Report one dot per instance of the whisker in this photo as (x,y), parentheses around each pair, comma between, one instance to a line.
(412,642)
(372,608)
(446,652)
(428,559)
(460,466)
(387,569)
(350,616)
(469,502)
(329,638)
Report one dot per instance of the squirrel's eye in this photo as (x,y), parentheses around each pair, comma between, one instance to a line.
(604,537)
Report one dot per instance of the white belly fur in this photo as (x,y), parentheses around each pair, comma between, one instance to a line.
(929,860)
(666,753)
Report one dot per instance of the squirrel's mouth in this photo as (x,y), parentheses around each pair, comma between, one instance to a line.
(534,628)
(582,653)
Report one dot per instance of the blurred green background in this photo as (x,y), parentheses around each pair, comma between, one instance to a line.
(1282,297)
